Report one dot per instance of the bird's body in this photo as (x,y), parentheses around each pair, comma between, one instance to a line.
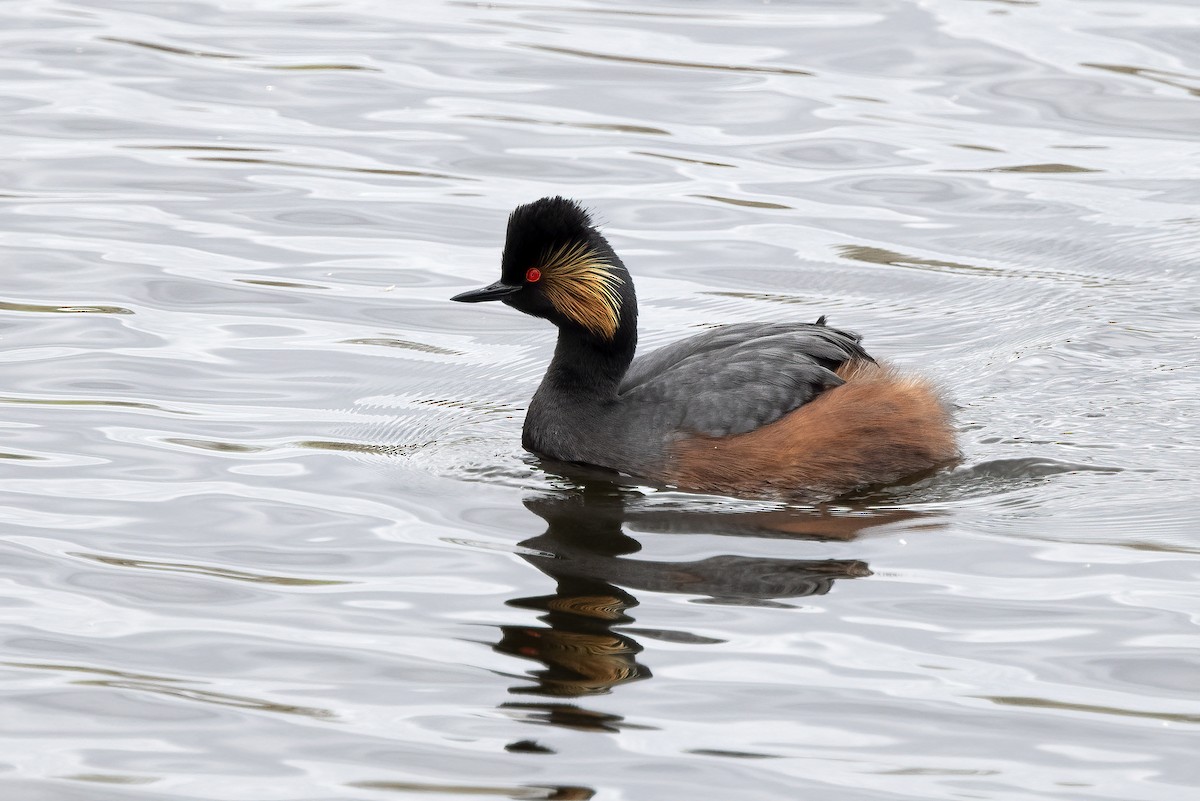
(778,409)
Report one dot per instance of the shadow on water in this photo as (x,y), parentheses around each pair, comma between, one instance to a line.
(586,645)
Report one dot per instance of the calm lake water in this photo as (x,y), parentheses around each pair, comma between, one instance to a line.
(267,528)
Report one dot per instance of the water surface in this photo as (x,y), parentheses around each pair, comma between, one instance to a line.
(267,530)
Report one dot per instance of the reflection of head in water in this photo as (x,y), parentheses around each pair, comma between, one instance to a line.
(587,550)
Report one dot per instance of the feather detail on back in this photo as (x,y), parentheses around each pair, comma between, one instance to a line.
(736,378)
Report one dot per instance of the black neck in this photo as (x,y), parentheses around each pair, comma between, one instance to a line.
(589,365)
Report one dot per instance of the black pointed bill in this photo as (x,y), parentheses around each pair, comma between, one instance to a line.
(496,291)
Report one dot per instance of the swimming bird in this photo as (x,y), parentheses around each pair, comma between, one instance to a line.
(771,409)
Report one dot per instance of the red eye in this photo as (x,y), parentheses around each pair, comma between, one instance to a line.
(533,275)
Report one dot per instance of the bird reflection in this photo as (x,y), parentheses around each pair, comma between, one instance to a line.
(585,645)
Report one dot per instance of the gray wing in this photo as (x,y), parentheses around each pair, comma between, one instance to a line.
(737,378)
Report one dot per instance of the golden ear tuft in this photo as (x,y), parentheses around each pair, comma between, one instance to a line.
(582,285)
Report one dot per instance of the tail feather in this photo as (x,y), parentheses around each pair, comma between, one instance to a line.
(878,427)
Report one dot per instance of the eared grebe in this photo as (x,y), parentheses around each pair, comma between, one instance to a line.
(766,409)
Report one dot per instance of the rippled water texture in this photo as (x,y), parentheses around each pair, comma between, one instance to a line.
(267,530)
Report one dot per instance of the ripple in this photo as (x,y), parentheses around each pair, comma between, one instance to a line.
(691,65)
(403,344)
(116,404)
(111,778)
(584,126)
(207,570)
(176,51)
(1045,168)
(755,204)
(1030,468)
(1045,703)
(210,697)
(876,255)
(1158,76)
(63,309)
(523,792)
(333,168)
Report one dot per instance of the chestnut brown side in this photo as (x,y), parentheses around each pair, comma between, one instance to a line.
(878,427)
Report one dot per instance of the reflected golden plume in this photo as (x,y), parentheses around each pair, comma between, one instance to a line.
(583,287)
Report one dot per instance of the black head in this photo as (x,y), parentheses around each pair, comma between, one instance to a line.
(556,265)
